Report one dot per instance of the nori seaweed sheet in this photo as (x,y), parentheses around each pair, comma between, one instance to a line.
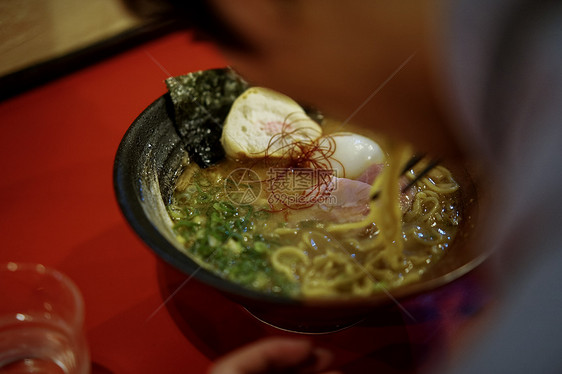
(202,101)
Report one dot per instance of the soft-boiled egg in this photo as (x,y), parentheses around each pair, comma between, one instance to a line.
(353,154)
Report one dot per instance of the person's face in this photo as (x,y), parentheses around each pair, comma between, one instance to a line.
(328,52)
(336,54)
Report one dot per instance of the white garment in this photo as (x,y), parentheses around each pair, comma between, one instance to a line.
(503,63)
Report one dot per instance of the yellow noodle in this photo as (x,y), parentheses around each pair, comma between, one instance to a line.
(369,245)
(337,273)
(316,237)
(441,181)
(436,237)
(386,213)
(354,243)
(286,231)
(363,287)
(334,268)
(430,205)
(316,289)
(289,268)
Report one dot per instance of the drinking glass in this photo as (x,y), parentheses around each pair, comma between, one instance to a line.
(41,322)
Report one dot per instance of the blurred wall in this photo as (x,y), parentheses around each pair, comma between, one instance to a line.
(33,31)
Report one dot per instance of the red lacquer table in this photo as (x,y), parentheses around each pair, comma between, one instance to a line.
(57,147)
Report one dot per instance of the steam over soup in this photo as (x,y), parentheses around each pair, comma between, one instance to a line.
(304,210)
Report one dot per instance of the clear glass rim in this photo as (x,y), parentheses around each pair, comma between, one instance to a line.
(65,281)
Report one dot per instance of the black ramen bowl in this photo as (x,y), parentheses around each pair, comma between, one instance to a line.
(148,161)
